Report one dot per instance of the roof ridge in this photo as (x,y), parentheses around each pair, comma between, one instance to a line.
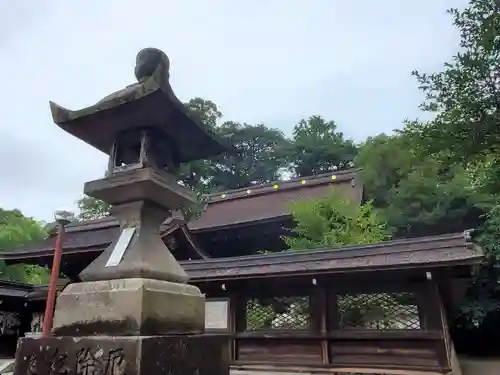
(102,222)
(292,180)
(295,183)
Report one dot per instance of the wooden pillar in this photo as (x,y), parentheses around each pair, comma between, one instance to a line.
(319,317)
(436,321)
(238,303)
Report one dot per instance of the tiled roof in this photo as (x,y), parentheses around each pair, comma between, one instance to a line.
(224,209)
(443,250)
(79,237)
(272,200)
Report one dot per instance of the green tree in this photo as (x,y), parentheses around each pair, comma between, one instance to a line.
(429,202)
(475,326)
(419,195)
(259,154)
(484,295)
(205,112)
(92,209)
(17,230)
(484,173)
(26,273)
(465,95)
(318,147)
(332,221)
(384,161)
(194,174)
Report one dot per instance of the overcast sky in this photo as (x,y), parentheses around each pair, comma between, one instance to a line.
(271,62)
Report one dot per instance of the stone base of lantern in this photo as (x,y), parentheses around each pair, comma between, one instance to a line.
(129,307)
(124,355)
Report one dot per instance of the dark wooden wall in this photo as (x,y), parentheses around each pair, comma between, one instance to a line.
(375,323)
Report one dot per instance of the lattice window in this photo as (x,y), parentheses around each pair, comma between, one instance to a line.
(277,313)
(383,311)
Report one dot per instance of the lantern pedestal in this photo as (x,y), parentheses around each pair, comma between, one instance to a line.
(118,355)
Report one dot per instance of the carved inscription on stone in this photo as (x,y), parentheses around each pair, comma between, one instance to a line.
(32,362)
(50,362)
(115,363)
(90,362)
(86,362)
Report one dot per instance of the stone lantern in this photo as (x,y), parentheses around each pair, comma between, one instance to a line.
(134,311)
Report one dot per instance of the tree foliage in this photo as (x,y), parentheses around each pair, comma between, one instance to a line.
(26,273)
(484,295)
(92,209)
(475,326)
(463,137)
(258,156)
(17,230)
(418,195)
(333,221)
(465,95)
(384,161)
(206,113)
(427,202)
(318,147)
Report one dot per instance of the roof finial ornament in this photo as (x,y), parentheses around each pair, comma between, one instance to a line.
(148,61)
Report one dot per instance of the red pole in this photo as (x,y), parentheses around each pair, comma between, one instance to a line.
(54,276)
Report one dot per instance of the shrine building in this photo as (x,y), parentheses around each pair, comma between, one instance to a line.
(373,309)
